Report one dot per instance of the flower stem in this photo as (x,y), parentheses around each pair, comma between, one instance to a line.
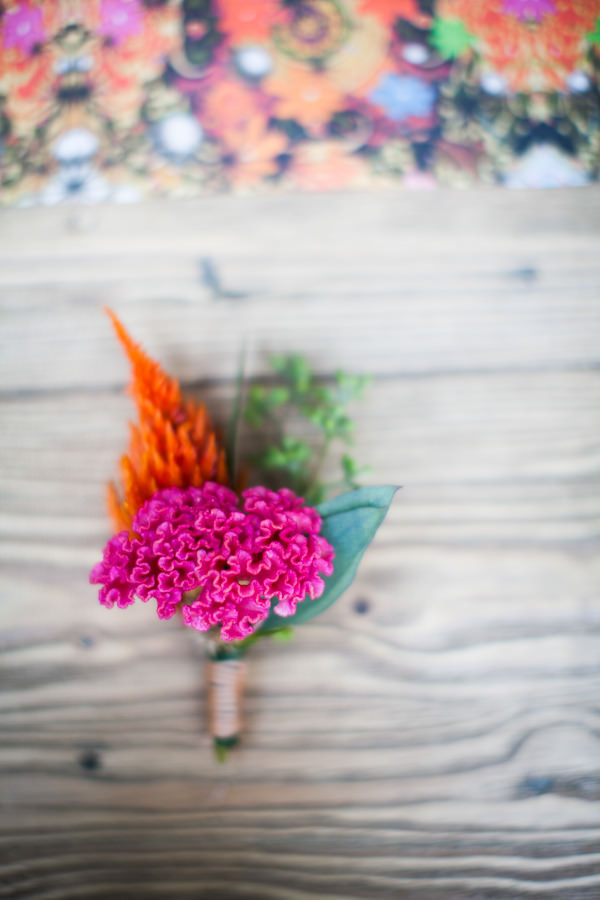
(232,431)
(226,682)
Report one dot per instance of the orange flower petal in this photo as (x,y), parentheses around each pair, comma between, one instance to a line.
(174,444)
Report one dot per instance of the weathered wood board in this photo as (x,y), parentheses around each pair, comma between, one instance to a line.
(436,734)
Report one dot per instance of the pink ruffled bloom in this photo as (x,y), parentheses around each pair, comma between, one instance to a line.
(230,563)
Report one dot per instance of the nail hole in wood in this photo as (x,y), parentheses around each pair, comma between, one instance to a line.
(537,784)
(90,760)
(526,273)
(361,606)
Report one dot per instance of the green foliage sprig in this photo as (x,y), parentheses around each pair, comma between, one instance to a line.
(292,460)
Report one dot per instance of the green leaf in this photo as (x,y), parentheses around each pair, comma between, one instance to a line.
(278,396)
(295,369)
(351,387)
(349,467)
(450,37)
(349,524)
(291,454)
(273,457)
(256,406)
(261,403)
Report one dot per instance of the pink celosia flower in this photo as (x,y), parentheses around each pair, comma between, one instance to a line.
(230,563)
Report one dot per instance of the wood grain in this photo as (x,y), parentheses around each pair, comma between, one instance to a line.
(436,734)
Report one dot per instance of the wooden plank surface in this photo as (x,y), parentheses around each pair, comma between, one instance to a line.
(436,734)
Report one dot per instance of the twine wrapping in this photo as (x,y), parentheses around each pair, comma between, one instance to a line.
(226,681)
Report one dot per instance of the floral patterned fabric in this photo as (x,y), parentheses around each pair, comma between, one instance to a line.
(118,99)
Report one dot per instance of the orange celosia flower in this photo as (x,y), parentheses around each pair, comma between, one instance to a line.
(174,444)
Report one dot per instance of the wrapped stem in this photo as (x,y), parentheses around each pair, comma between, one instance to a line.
(226,682)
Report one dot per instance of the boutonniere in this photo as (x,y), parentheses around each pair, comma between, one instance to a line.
(238,563)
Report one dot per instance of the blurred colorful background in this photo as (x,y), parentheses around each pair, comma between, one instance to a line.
(114,100)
